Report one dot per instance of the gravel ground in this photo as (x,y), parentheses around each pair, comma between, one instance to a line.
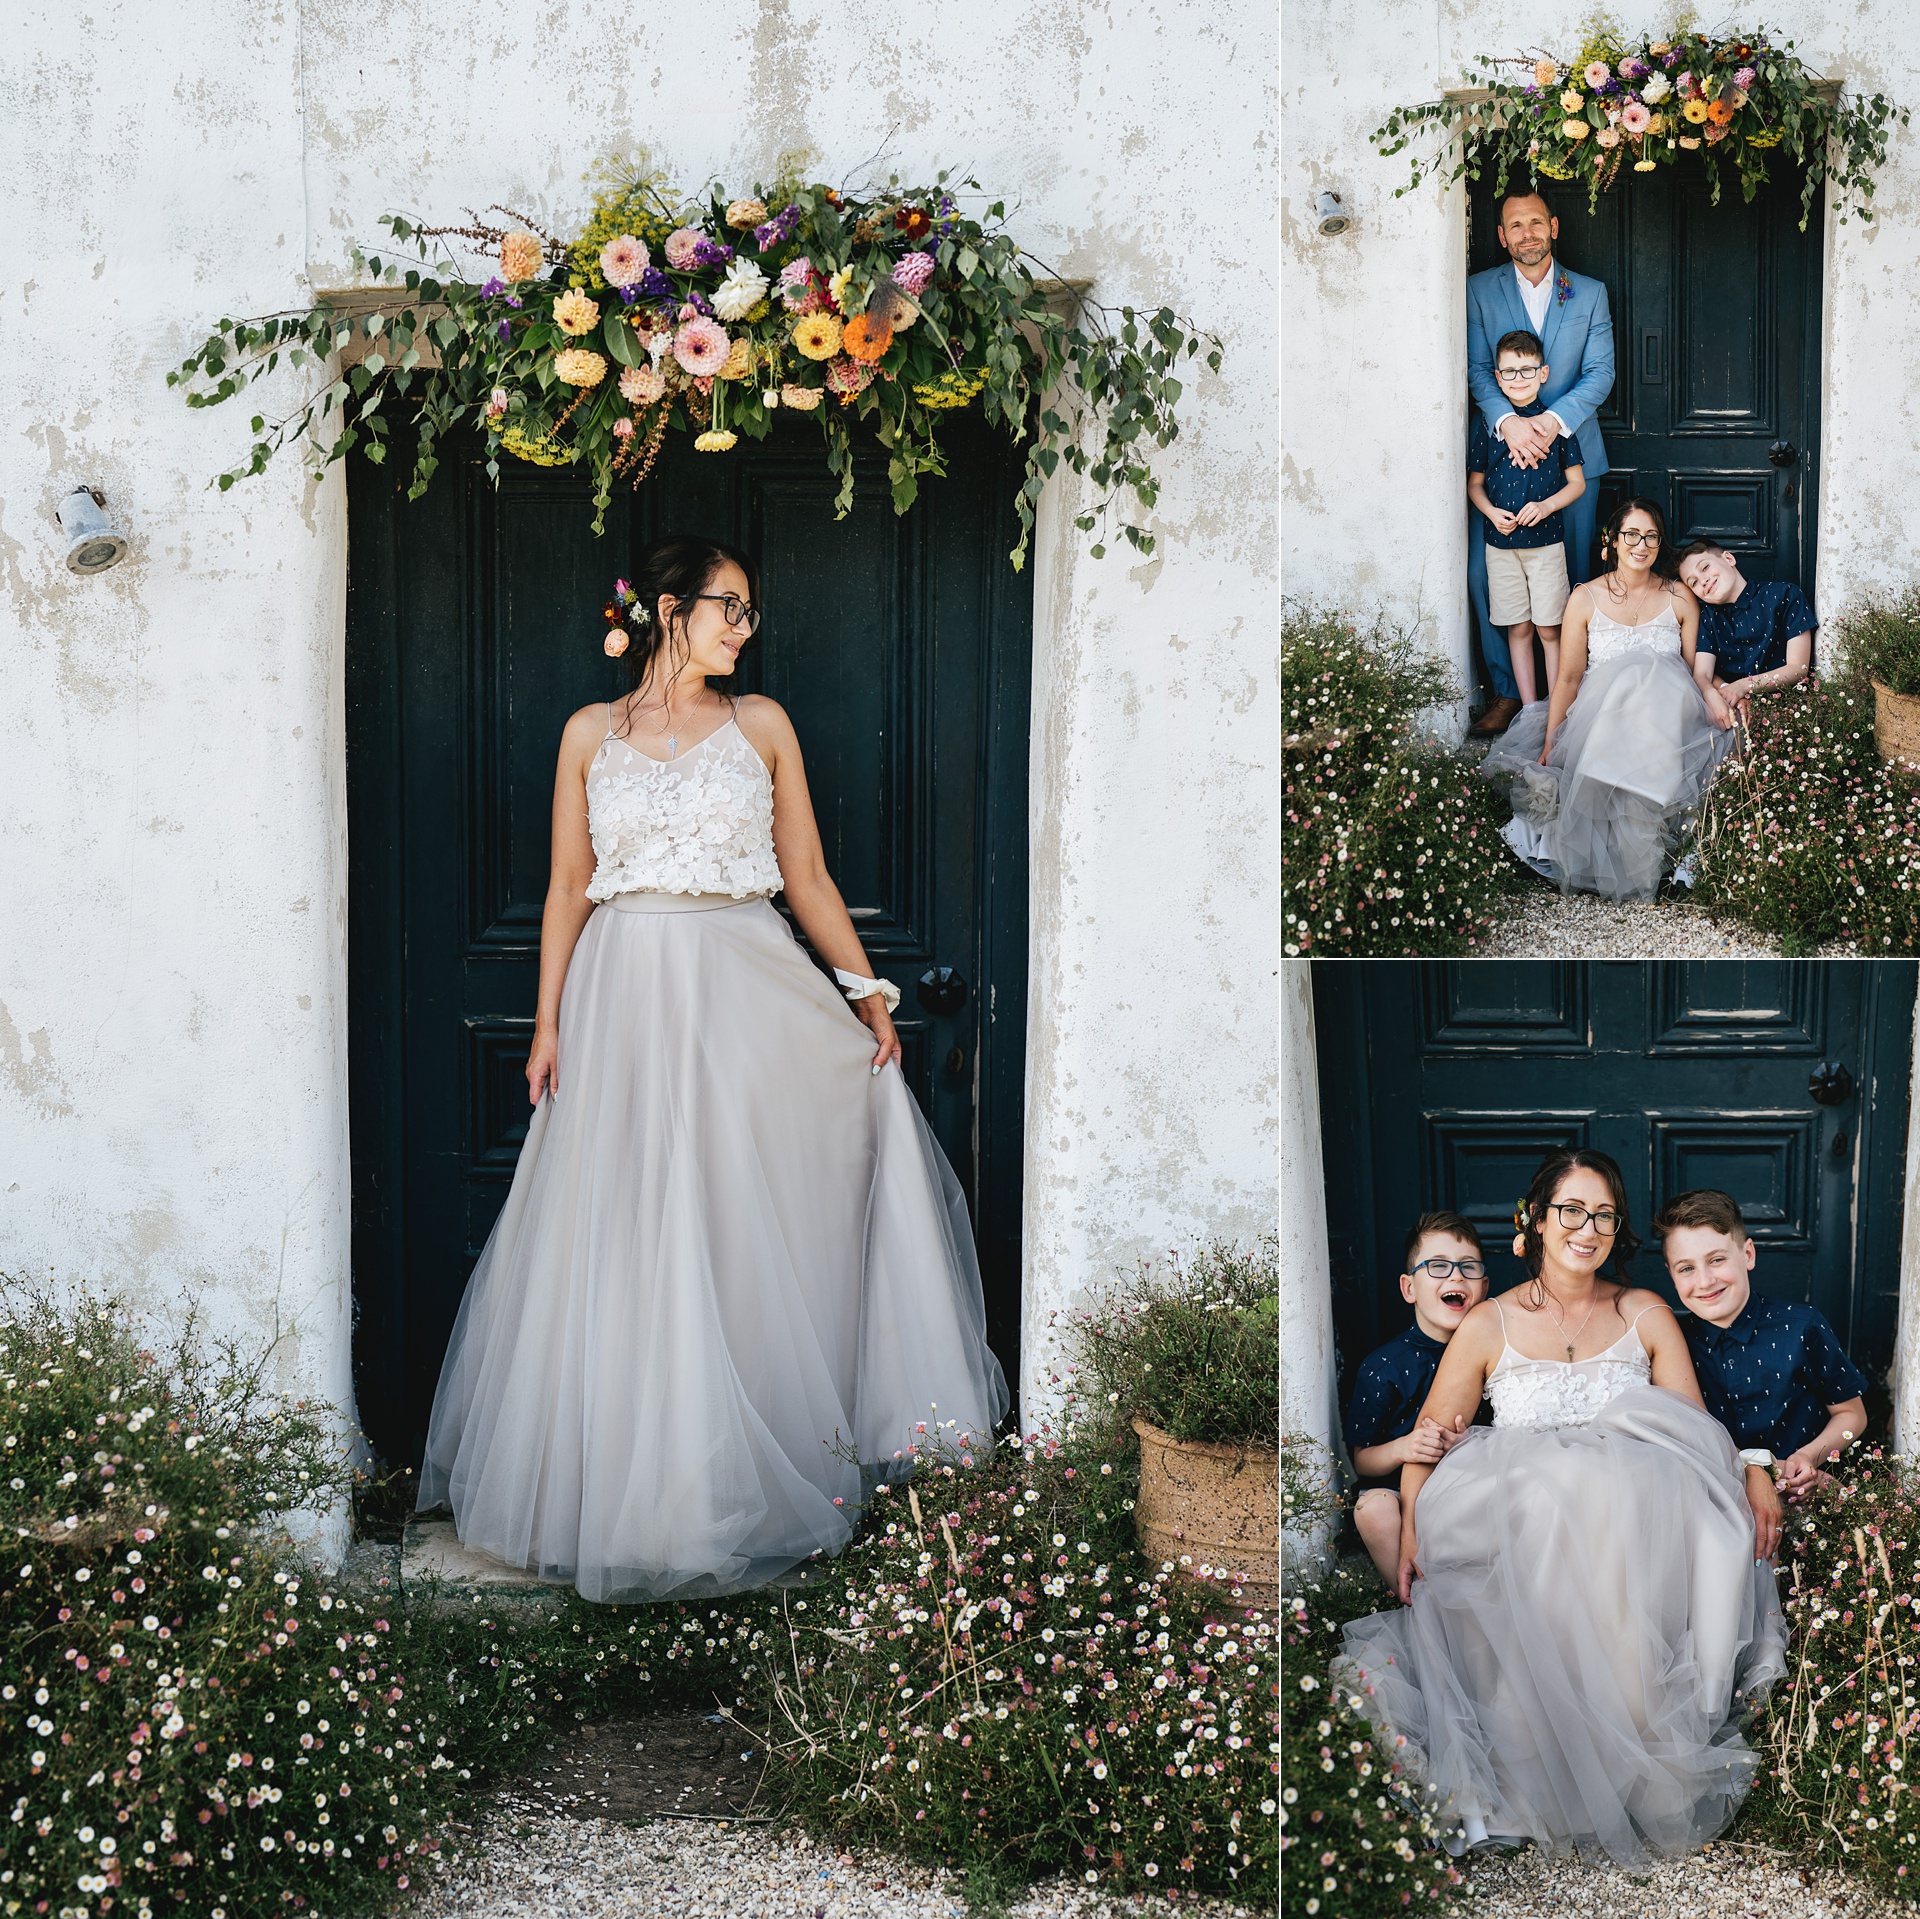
(525,1863)
(1726,1881)
(1544,924)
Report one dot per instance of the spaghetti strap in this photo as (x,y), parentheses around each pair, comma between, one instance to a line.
(609,719)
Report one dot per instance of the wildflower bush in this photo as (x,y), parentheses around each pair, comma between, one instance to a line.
(1809,835)
(1841,1732)
(1881,641)
(1355,1839)
(1193,1347)
(1389,842)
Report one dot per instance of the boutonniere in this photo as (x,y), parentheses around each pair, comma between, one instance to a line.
(1562,286)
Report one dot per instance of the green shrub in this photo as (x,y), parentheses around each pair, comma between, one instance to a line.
(1881,640)
(1841,1732)
(1390,844)
(1808,835)
(1355,1841)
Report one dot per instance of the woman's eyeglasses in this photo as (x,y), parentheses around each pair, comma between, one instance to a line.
(1637,538)
(1446,1268)
(1574,1216)
(734,610)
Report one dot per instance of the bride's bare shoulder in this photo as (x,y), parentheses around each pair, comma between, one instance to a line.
(1637,1299)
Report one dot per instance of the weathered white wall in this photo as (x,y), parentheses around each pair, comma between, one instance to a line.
(172,1080)
(1373,323)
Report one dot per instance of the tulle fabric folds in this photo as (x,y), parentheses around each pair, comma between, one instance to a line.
(1621,788)
(730,1254)
(1590,1632)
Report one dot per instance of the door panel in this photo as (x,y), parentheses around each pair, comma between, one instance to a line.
(1444,1084)
(1714,410)
(899,646)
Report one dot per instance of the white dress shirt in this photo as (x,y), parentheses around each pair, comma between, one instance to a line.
(1536,297)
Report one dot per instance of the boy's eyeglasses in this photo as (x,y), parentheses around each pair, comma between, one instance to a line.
(1446,1268)
(1639,539)
(1573,1216)
(1516,372)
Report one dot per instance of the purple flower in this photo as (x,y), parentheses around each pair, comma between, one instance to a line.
(1633,67)
(711,253)
(493,286)
(506,330)
(652,285)
(780,228)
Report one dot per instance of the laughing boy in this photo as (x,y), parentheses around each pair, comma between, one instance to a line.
(1445,1279)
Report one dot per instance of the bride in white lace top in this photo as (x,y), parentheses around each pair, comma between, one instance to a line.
(1590,1610)
(1606,777)
(734,1262)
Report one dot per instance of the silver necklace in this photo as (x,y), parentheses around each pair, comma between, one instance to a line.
(1562,1318)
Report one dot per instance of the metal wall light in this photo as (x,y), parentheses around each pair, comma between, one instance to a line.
(1331,215)
(94,543)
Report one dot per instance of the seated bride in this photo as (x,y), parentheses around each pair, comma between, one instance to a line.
(1605,778)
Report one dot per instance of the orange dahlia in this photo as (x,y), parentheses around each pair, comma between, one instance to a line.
(866,338)
(1721,111)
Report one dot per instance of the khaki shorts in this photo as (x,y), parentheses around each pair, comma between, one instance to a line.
(1527,583)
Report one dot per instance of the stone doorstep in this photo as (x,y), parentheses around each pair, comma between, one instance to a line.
(431,1552)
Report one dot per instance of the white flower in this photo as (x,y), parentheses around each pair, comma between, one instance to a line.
(740,292)
(1655,88)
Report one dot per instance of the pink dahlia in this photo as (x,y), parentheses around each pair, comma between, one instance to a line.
(1635,118)
(642,385)
(701,346)
(681,243)
(1598,74)
(1743,79)
(912,273)
(623,259)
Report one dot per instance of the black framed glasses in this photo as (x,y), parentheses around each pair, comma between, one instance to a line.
(1515,372)
(1637,538)
(1446,1268)
(1573,1216)
(734,610)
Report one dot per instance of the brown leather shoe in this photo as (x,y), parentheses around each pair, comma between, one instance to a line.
(1495,720)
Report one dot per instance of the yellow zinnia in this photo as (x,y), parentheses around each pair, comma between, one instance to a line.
(1694,112)
(817,335)
(1575,130)
(575,314)
(1573,99)
(579,366)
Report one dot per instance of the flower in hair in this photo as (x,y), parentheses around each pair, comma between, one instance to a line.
(616,642)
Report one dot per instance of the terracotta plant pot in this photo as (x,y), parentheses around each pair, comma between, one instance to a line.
(1896,725)
(1218,1507)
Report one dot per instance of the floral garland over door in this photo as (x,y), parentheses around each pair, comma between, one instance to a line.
(713,316)
(1647,102)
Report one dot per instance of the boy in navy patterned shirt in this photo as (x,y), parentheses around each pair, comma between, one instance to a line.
(1771,1372)
(1753,634)
(1446,1278)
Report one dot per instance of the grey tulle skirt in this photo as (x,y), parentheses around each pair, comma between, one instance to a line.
(733,1261)
(1591,1629)
(1622,787)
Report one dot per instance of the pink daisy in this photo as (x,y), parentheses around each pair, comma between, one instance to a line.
(1635,118)
(623,260)
(680,245)
(701,346)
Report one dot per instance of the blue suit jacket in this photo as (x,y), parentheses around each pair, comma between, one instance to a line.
(1578,339)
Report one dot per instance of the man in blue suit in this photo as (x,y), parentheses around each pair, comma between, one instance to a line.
(1569,313)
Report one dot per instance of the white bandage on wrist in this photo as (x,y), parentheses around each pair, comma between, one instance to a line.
(1756,1456)
(859,988)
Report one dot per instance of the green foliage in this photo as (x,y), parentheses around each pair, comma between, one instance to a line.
(1726,97)
(1098,390)
(1193,1347)
(1809,835)
(1355,1842)
(1841,1732)
(1881,641)
(1390,844)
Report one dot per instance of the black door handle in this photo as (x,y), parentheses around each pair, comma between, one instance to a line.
(1830,1083)
(941,991)
(1650,369)
(1783,453)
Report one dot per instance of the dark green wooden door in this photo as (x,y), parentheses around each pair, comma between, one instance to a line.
(901,649)
(1442,1084)
(1714,413)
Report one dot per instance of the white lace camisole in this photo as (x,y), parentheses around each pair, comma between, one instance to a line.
(1558,1392)
(701,822)
(1608,638)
